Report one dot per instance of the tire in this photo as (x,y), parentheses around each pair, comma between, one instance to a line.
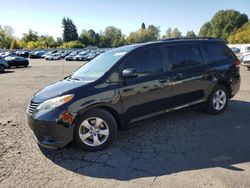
(88,131)
(2,69)
(218,100)
(248,68)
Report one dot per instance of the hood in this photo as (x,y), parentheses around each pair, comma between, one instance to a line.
(56,89)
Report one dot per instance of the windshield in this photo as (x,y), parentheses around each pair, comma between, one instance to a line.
(96,68)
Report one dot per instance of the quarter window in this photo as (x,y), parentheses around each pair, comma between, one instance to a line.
(217,52)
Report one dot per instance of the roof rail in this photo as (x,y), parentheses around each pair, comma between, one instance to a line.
(191,38)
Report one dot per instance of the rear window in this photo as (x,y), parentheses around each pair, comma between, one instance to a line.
(217,52)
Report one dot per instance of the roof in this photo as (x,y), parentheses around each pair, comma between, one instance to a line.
(131,47)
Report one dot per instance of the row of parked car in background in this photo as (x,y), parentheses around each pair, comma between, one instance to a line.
(68,55)
(244,57)
(20,57)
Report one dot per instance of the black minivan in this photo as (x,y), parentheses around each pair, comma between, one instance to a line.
(131,83)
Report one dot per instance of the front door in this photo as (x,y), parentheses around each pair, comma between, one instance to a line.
(145,95)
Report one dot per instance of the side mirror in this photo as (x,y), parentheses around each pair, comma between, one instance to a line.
(129,73)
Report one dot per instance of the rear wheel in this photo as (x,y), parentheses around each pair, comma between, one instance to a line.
(95,130)
(218,100)
(1,68)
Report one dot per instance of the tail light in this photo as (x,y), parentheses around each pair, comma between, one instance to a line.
(237,63)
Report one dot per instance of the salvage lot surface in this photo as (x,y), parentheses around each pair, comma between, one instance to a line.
(187,149)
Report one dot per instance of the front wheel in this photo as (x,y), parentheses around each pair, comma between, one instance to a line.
(95,130)
(217,101)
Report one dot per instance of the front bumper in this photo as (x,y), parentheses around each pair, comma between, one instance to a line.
(50,134)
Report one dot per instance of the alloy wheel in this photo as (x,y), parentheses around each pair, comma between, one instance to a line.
(93,131)
(219,100)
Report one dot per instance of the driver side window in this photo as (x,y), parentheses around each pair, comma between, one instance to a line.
(146,62)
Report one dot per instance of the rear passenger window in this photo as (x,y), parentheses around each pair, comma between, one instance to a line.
(181,56)
(217,52)
(146,62)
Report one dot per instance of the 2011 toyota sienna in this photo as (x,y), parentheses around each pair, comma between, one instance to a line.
(132,83)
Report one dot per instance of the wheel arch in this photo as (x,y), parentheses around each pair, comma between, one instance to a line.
(114,112)
(227,86)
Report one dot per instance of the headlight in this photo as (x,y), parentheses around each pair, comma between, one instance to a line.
(55,102)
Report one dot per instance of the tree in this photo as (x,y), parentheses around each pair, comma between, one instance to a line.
(206,30)
(48,40)
(8,30)
(190,34)
(176,33)
(5,40)
(153,32)
(14,45)
(59,41)
(242,35)
(143,26)
(69,30)
(168,34)
(89,37)
(114,37)
(144,35)
(72,44)
(30,36)
(225,22)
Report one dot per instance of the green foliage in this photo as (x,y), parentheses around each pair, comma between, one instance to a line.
(48,41)
(5,40)
(69,30)
(72,44)
(30,36)
(32,40)
(59,41)
(36,45)
(242,35)
(144,35)
(14,45)
(175,33)
(223,24)
(190,34)
(226,22)
(89,37)
(113,37)
(206,30)
(168,33)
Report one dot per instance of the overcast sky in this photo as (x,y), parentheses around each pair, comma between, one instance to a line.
(45,16)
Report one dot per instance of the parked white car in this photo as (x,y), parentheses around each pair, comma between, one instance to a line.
(56,56)
(246,60)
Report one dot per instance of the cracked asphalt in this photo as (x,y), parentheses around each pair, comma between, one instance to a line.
(185,149)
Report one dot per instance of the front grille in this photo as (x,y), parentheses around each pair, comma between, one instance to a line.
(32,107)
